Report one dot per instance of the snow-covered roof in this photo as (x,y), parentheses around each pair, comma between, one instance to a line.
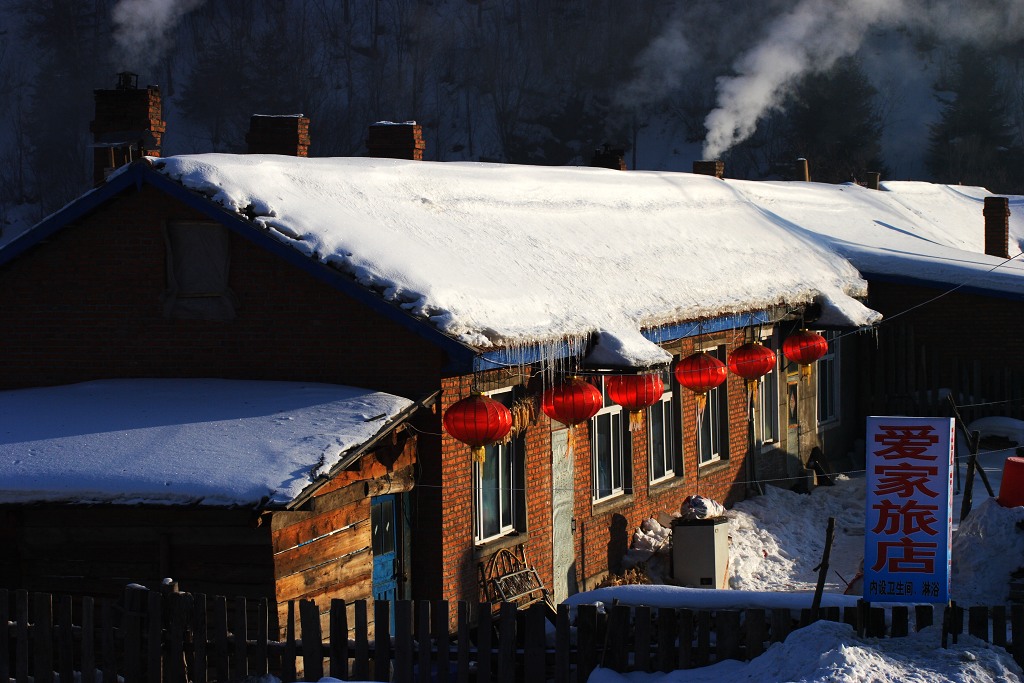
(497,255)
(914,231)
(171,441)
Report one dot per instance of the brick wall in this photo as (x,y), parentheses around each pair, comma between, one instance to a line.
(87,304)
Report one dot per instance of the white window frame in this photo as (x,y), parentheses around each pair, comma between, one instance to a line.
(666,408)
(717,404)
(507,490)
(619,449)
(768,408)
(827,371)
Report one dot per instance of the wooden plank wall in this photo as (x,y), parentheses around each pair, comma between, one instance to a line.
(324,551)
(903,376)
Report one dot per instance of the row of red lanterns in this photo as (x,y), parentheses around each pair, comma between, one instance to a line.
(481,421)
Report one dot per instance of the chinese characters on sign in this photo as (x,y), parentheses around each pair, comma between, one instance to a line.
(909,509)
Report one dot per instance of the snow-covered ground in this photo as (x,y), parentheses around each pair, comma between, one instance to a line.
(776,541)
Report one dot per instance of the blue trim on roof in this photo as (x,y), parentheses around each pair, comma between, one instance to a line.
(941,285)
(460,356)
(534,353)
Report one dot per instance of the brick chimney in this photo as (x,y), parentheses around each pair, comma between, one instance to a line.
(997,226)
(608,157)
(127,126)
(396,140)
(287,135)
(714,167)
(803,171)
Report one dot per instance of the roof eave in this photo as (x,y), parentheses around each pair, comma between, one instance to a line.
(352,456)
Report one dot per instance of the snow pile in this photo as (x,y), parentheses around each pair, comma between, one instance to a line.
(987,547)
(778,538)
(826,651)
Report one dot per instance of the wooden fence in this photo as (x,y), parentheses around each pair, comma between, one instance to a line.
(149,637)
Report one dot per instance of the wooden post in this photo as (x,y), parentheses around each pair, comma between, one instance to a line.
(240,639)
(534,643)
(642,638)
(755,622)
(563,659)
(483,642)
(88,637)
(442,636)
(823,568)
(462,666)
(361,663)
(312,641)
(65,640)
(21,648)
(728,631)
(586,641)
(403,641)
(174,662)
(666,639)
(220,637)
(339,639)
(200,637)
(423,642)
(507,643)
(131,625)
(42,637)
(381,640)
(155,635)
(262,649)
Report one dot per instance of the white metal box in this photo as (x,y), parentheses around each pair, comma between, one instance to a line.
(700,552)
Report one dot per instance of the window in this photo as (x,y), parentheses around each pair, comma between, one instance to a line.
(612,450)
(767,424)
(498,486)
(198,257)
(710,446)
(661,434)
(828,381)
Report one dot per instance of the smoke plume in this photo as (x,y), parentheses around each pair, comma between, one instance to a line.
(142,29)
(809,38)
(815,33)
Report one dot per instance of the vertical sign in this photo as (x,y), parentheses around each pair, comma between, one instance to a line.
(909,522)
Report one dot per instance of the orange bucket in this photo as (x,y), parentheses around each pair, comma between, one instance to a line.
(1011,489)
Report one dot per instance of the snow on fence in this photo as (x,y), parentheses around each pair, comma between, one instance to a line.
(152,637)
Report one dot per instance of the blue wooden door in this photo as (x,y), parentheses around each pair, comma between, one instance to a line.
(384,526)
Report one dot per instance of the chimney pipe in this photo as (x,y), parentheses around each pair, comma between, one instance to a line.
(608,157)
(285,135)
(997,226)
(713,167)
(127,125)
(803,172)
(874,180)
(396,140)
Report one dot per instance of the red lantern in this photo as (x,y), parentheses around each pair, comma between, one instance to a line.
(700,372)
(572,402)
(804,347)
(634,393)
(478,421)
(752,360)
